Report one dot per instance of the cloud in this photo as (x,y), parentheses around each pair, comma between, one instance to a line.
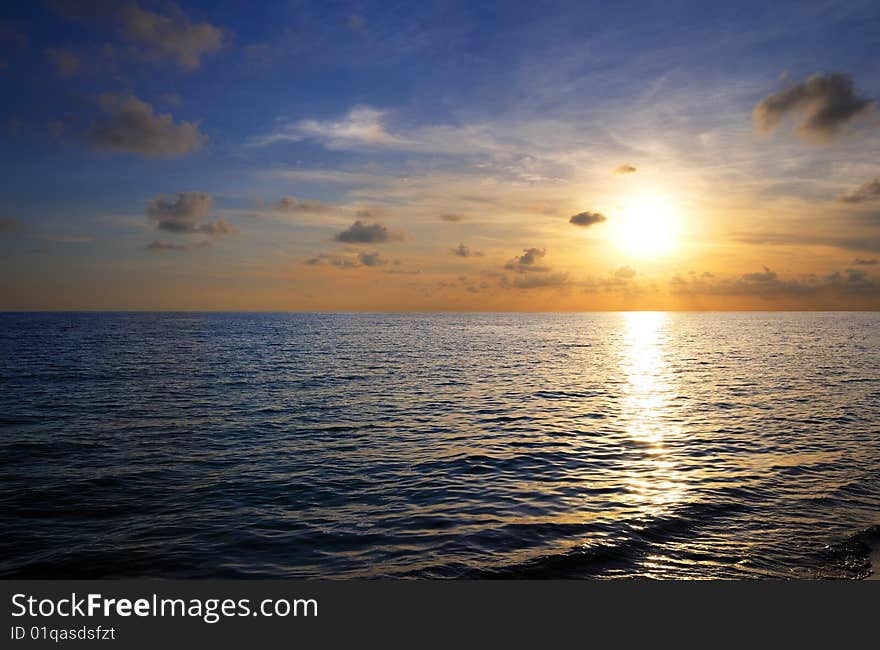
(536,281)
(361,127)
(864,242)
(625,168)
(464,251)
(152,36)
(625,273)
(159,245)
(292,204)
(866,262)
(169,37)
(530,273)
(870,191)
(451,217)
(363,233)
(129,125)
(186,213)
(349,259)
(586,219)
(824,104)
(528,262)
(768,283)
(371,259)
(67,62)
(10,225)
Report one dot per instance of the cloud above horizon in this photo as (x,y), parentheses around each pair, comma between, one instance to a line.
(362,126)
(187,213)
(465,251)
(349,259)
(528,262)
(824,105)
(769,283)
(129,125)
(293,205)
(870,191)
(151,36)
(162,245)
(361,232)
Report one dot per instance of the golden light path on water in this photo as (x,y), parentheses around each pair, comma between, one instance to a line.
(656,481)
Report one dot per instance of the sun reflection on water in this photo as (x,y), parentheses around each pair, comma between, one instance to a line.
(646,412)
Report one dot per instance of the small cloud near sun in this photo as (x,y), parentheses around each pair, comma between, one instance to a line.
(586,219)
(625,168)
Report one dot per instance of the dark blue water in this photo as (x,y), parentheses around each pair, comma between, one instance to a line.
(441,445)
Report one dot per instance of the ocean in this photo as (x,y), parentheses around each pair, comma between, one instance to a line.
(590,445)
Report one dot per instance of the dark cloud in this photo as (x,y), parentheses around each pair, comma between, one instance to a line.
(870,191)
(294,205)
(159,245)
(465,251)
(625,273)
(363,233)
(10,225)
(769,283)
(451,217)
(824,104)
(372,259)
(129,125)
(151,36)
(585,219)
(349,259)
(531,273)
(866,262)
(187,213)
(528,262)
(625,168)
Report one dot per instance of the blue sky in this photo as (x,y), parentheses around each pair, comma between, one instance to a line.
(512,116)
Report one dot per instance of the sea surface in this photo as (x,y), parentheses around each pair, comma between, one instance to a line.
(661,445)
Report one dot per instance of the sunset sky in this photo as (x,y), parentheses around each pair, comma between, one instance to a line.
(298,155)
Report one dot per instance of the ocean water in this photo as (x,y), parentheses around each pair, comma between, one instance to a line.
(735,445)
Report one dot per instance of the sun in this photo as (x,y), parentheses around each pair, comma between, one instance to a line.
(646,227)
